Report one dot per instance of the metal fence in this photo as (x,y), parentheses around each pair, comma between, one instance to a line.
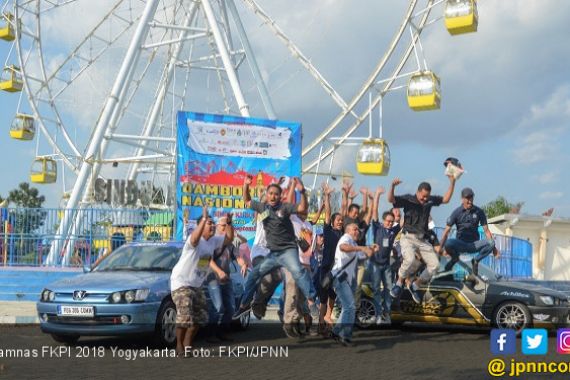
(26,234)
(516,255)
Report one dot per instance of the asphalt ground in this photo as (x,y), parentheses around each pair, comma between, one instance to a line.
(412,352)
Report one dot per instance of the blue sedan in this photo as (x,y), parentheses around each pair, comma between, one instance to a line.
(128,292)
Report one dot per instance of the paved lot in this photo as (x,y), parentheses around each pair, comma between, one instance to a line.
(415,352)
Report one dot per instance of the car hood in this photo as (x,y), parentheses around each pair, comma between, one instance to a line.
(523,288)
(109,281)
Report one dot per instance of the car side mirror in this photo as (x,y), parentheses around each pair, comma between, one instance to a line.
(86,268)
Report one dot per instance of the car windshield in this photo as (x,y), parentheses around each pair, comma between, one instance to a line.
(141,258)
(464,268)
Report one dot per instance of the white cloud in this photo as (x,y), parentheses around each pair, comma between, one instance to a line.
(535,147)
(548,178)
(543,129)
(551,195)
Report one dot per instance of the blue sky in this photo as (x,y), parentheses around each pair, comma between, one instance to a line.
(505,104)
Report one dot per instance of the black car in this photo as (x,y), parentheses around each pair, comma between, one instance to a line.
(459,297)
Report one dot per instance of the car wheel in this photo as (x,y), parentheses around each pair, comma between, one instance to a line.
(66,339)
(366,315)
(512,315)
(165,332)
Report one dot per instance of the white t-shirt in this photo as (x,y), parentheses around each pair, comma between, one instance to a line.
(259,247)
(194,263)
(298,225)
(341,258)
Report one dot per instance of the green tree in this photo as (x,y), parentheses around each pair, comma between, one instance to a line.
(501,206)
(26,196)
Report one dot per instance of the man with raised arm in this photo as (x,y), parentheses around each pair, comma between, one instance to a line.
(417,208)
(189,274)
(281,241)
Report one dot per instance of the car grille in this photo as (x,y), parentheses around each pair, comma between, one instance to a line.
(104,320)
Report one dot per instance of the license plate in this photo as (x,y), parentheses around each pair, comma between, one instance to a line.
(76,311)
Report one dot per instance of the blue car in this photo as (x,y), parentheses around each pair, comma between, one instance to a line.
(128,292)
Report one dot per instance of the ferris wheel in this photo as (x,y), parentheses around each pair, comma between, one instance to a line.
(100,100)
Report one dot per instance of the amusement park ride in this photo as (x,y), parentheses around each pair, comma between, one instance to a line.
(171,52)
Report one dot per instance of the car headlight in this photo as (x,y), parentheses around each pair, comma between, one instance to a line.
(130,296)
(141,294)
(51,295)
(547,300)
(44,295)
(116,297)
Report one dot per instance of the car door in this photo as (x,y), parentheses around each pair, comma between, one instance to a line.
(448,298)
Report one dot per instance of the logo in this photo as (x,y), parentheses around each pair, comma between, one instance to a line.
(78,295)
(563,341)
(515,294)
(503,342)
(534,342)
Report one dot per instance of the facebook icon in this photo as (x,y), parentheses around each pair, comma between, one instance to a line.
(503,342)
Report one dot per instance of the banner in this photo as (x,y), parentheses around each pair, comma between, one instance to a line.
(216,152)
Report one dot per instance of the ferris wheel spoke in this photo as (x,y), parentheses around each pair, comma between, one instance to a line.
(51,4)
(378,98)
(296,52)
(83,54)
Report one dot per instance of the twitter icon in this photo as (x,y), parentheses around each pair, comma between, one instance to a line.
(534,341)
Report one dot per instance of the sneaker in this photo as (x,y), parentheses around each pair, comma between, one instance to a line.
(241,311)
(386,319)
(344,341)
(415,295)
(396,291)
(291,331)
(379,320)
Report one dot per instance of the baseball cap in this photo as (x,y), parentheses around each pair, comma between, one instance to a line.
(467,193)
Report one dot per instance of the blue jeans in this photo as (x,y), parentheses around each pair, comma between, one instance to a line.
(221,302)
(381,274)
(288,258)
(345,322)
(455,247)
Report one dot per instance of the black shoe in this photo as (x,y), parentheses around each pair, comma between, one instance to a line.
(346,342)
(299,329)
(241,311)
(415,295)
(451,263)
(475,265)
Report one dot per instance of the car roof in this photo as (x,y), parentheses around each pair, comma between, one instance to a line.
(177,244)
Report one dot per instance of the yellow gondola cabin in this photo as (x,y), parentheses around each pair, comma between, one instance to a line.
(44,170)
(7,32)
(373,157)
(461,16)
(23,127)
(424,91)
(11,79)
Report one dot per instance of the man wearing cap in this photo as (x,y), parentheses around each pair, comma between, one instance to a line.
(467,218)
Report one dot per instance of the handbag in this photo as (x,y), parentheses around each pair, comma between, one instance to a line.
(327,279)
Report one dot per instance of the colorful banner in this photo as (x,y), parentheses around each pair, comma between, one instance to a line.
(215,152)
